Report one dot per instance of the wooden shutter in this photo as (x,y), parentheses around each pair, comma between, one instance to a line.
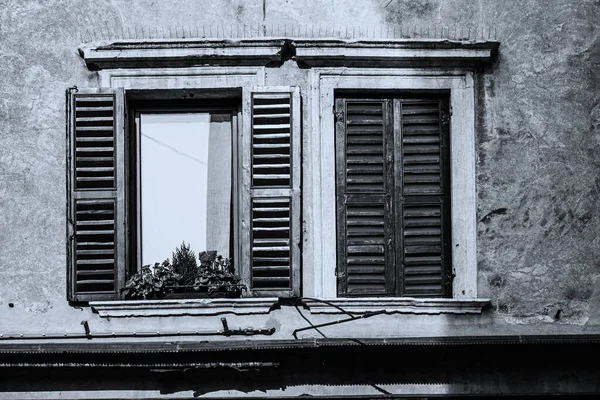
(270,228)
(364,164)
(423,199)
(95,180)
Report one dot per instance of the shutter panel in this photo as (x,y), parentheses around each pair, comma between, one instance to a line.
(364,165)
(271,191)
(423,205)
(95,168)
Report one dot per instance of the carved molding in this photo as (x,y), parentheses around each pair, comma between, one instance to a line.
(399,305)
(165,53)
(183,307)
(394,53)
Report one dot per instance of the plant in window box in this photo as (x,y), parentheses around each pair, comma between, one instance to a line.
(184,264)
(151,282)
(217,275)
(184,278)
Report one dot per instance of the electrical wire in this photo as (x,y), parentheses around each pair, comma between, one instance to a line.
(181,153)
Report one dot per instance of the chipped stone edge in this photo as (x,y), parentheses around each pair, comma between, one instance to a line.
(132,53)
(399,305)
(178,52)
(395,53)
(183,307)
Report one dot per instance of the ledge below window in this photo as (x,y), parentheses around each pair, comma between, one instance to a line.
(406,305)
(183,307)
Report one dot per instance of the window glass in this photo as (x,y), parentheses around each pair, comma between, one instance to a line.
(185,183)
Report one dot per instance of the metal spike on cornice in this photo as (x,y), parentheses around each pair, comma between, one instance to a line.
(372,32)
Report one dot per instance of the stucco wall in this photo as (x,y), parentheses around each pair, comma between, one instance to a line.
(538,140)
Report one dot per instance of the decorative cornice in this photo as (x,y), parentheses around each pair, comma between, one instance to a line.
(398,305)
(165,53)
(394,52)
(154,53)
(182,307)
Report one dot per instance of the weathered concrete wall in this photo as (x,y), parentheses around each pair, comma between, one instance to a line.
(538,143)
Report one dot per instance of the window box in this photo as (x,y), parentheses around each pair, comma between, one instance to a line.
(204,291)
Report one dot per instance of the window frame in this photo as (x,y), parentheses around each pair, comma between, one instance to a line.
(148,82)
(320,167)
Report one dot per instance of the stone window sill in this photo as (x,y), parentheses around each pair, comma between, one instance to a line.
(183,307)
(406,305)
(254,306)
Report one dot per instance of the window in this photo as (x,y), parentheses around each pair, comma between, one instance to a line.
(393,203)
(456,88)
(183,180)
(333,70)
(198,174)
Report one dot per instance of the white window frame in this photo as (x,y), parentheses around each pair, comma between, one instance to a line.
(319,252)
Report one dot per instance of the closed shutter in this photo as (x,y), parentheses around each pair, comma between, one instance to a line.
(392,169)
(271,191)
(95,208)
(423,202)
(364,146)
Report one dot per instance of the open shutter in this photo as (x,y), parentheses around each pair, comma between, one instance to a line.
(270,228)
(95,208)
(423,199)
(364,165)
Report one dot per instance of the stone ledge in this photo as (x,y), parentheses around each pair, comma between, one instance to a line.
(406,305)
(166,53)
(394,53)
(163,53)
(183,307)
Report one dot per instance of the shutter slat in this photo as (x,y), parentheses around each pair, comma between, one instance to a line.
(423,235)
(271,141)
(270,247)
(94,113)
(270,251)
(94,260)
(264,127)
(363,222)
(368,149)
(95,198)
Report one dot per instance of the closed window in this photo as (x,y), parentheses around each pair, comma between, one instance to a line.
(393,196)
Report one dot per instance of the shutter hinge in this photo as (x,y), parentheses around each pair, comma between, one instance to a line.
(449,278)
(339,115)
(446,117)
(71,230)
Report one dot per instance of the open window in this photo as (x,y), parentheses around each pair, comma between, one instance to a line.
(219,174)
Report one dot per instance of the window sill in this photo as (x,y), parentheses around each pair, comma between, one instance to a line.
(183,307)
(407,305)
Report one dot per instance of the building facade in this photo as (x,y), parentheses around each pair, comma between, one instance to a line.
(408,192)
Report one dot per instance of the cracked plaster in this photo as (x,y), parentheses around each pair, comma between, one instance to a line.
(538,141)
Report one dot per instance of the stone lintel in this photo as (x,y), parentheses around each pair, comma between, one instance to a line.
(157,53)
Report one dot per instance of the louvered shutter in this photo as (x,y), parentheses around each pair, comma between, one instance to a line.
(95,208)
(364,164)
(423,199)
(270,228)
